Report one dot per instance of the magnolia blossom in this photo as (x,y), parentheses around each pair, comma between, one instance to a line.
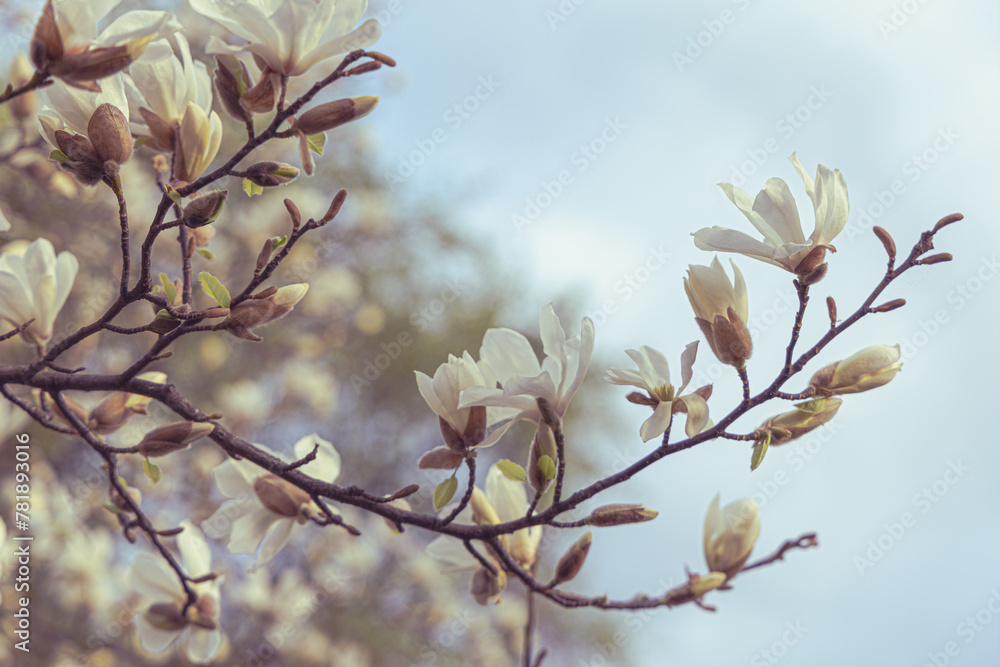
(870,368)
(264,508)
(170,100)
(730,534)
(524,379)
(774,214)
(503,501)
(721,309)
(442,394)
(653,375)
(70,109)
(35,286)
(161,624)
(290,36)
(66,43)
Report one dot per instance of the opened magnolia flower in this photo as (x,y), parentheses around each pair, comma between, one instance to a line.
(524,379)
(35,286)
(721,309)
(503,501)
(264,508)
(170,100)
(730,534)
(870,368)
(774,214)
(162,624)
(653,375)
(66,44)
(287,37)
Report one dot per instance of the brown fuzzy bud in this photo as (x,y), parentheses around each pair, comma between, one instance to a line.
(271,174)
(108,132)
(620,514)
(815,275)
(255,312)
(172,437)
(264,256)
(232,80)
(937,259)
(82,160)
(83,69)
(831,309)
(334,114)
(440,458)
(947,220)
(891,305)
(280,496)
(205,209)
(813,259)
(572,561)
(887,242)
(382,58)
(335,205)
(364,68)
(487,586)
(293,212)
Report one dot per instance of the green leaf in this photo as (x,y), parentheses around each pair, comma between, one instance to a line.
(547,466)
(278,241)
(58,156)
(206,253)
(215,289)
(512,471)
(252,188)
(152,471)
(759,449)
(164,315)
(174,197)
(141,141)
(316,143)
(112,508)
(169,290)
(444,492)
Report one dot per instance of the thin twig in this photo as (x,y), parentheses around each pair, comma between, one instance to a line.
(471,463)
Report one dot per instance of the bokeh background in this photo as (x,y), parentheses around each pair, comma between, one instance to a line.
(566,151)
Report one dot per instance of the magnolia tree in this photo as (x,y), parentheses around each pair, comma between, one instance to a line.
(135,92)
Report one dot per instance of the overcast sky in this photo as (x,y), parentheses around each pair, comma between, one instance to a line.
(605,127)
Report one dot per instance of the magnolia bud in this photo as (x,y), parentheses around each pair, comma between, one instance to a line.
(572,561)
(232,80)
(258,311)
(831,309)
(46,42)
(334,114)
(887,242)
(280,496)
(870,368)
(889,306)
(487,586)
(166,616)
(108,132)
(796,423)
(544,444)
(729,535)
(205,209)
(335,205)
(172,437)
(440,458)
(696,587)
(270,174)
(620,514)
(114,411)
(483,512)
(82,160)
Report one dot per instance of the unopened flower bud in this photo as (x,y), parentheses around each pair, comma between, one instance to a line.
(620,514)
(544,444)
(938,258)
(271,174)
(440,458)
(264,256)
(887,242)
(483,512)
(82,161)
(166,616)
(572,561)
(947,220)
(870,368)
(695,588)
(108,132)
(205,209)
(46,42)
(232,80)
(794,424)
(114,411)
(487,586)
(255,312)
(729,535)
(721,310)
(889,306)
(334,114)
(281,496)
(172,437)
(335,205)
(831,309)
(293,213)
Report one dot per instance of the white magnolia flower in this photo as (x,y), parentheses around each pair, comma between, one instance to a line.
(170,100)
(264,509)
(721,309)
(35,286)
(290,36)
(774,214)
(653,375)
(730,534)
(66,43)
(524,379)
(503,501)
(69,109)
(160,625)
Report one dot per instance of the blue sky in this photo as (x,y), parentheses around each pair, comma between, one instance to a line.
(671,98)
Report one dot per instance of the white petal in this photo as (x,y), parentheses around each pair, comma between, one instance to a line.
(153,639)
(687,364)
(196,556)
(657,423)
(364,36)
(746,206)
(506,496)
(776,205)
(202,646)
(452,552)
(249,530)
(275,540)
(153,578)
(231,481)
(509,353)
(697,414)
(721,239)
(326,466)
